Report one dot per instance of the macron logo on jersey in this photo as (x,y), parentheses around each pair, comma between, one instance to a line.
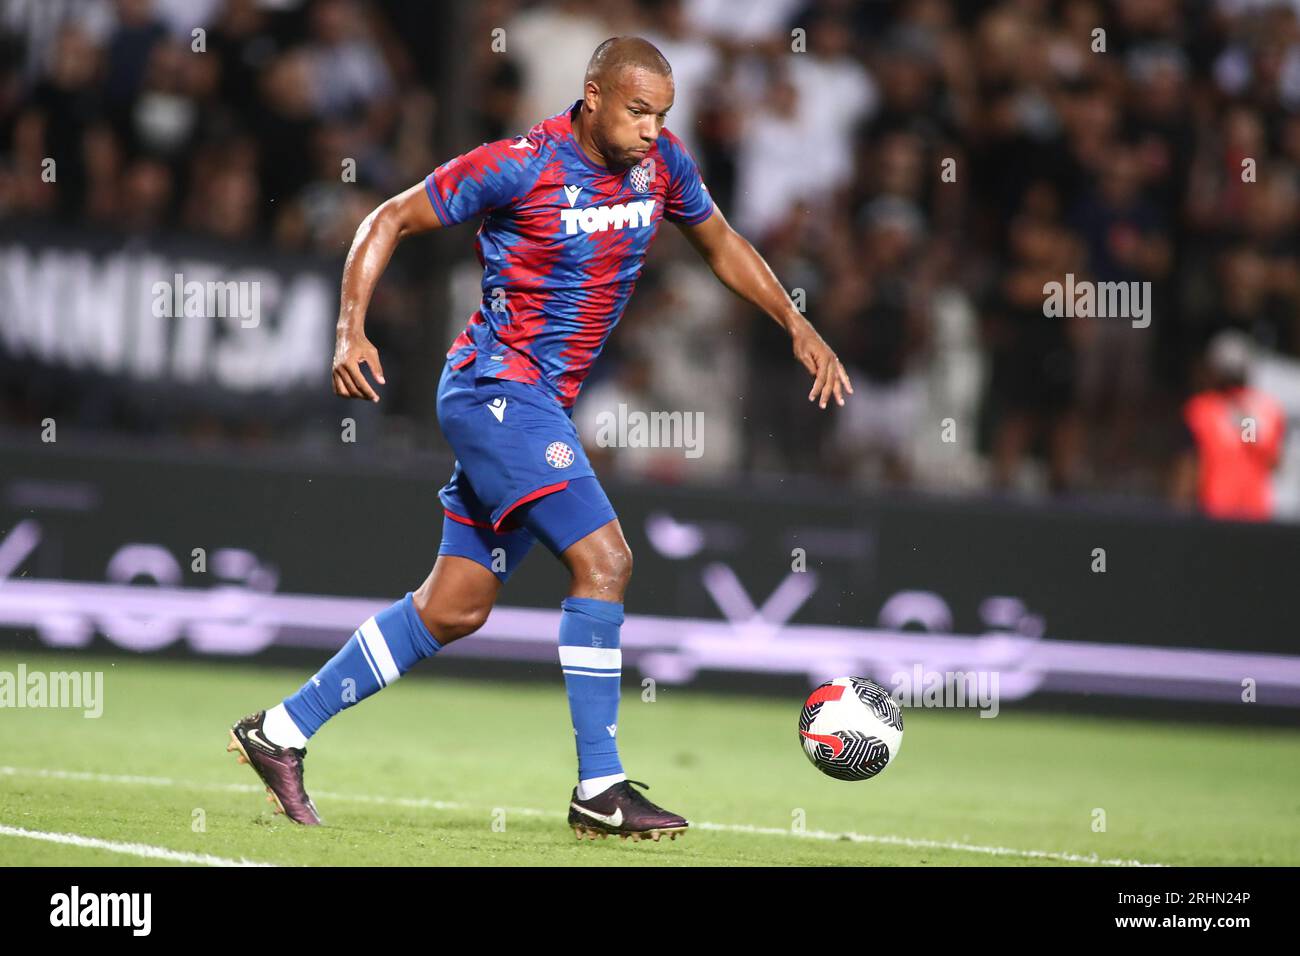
(632,215)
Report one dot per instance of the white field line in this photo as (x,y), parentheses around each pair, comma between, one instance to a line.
(427,804)
(130,849)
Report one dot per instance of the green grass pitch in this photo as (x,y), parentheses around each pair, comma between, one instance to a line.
(441,771)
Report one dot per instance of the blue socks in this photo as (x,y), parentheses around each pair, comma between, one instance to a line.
(384,648)
(593,665)
(388,645)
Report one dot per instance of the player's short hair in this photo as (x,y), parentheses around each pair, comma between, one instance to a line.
(620,53)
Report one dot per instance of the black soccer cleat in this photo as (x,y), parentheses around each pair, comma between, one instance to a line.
(624,811)
(279,767)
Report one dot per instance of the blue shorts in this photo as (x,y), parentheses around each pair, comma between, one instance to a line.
(521,473)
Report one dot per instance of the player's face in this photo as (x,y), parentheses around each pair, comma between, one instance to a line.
(628,118)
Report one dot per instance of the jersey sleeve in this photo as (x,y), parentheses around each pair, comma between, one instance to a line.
(473,184)
(688,201)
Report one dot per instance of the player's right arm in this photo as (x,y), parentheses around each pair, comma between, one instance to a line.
(403,215)
(486,178)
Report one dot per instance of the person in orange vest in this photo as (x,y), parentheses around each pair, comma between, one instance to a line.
(1235,436)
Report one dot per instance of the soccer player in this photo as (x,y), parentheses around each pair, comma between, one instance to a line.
(567,213)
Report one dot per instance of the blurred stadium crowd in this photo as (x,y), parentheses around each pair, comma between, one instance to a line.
(1116,156)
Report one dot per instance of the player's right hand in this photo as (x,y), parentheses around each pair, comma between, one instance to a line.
(350,353)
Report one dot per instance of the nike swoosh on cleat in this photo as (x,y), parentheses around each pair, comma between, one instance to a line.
(259,740)
(614,819)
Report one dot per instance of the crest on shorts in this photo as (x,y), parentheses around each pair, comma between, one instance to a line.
(642,175)
(559,455)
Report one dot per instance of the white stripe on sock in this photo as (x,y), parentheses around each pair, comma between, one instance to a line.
(374,640)
(613,674)
(605,658)
(365,656)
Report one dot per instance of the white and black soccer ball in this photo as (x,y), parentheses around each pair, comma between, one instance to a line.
(851,728)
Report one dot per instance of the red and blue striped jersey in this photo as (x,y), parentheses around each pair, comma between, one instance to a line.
(561,242)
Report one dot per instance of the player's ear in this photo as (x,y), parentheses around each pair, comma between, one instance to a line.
(591,95)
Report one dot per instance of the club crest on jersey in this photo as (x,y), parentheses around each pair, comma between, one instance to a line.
(640,176)
(559,455)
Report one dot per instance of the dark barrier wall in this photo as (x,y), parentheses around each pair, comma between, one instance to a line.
(165,326)
(100,549)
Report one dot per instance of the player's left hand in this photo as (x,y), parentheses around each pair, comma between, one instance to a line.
(829,377)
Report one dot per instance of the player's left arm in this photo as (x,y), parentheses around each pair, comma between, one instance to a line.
(739,267)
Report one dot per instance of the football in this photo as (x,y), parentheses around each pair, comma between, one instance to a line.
(851,728)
